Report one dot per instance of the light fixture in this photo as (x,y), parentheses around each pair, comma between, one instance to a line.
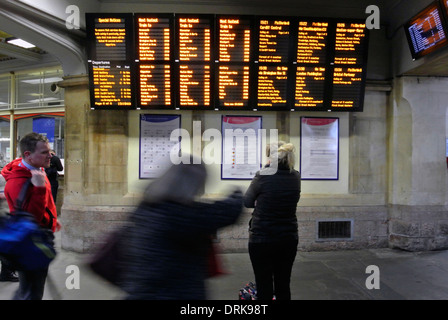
(20,43)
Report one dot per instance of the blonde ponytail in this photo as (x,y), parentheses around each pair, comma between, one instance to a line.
(283,153)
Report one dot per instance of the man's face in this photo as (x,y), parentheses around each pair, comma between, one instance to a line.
(40,157)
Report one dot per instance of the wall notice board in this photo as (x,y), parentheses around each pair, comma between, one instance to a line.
(319,148)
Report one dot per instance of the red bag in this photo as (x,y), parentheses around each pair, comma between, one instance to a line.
(214,262)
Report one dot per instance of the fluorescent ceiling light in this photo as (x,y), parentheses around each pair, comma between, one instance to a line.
(20,43)
(49,99)
(45,80)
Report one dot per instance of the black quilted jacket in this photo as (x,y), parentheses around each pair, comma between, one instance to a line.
(274,195)
(167,247)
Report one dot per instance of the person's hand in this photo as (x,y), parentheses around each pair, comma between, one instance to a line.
(38,178)
(58,226)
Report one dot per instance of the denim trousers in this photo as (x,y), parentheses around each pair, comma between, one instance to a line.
(272,264)
(31,285)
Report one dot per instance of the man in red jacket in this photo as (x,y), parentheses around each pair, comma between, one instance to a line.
(36,156)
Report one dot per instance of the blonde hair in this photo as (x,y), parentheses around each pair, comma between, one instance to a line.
(282,153)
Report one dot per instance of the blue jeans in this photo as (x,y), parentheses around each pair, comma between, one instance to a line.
(31,285)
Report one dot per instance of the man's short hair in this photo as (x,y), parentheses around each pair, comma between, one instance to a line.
(29,142)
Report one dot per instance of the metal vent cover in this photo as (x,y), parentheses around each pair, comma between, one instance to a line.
(334,229)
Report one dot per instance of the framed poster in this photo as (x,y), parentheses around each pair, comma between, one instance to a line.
(155,143)
(241,147)
(319,148)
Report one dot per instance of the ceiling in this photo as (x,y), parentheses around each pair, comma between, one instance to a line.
(12,52)
(392,18)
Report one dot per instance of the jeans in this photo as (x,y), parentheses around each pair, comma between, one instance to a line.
(31,285)
(272,263)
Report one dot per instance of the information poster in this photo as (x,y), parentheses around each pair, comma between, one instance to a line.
(155,144)
(241,147)
(319,152)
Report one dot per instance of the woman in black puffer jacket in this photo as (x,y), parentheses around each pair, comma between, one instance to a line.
(168,243)
(273,233)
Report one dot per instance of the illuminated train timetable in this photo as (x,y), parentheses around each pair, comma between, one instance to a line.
(112,85)
(426,31)
(153,38)
(272,86)
(347,87)
(110,60)
(310,86)
(312,42)
(194,39)
(194,85)
(233,85)
(349,46)
(234,40)
(155,85)
(230,62)
(273,41)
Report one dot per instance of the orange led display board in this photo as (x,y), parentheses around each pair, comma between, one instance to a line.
(226,62)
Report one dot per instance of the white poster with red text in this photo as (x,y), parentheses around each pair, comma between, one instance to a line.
(241,147)
(319,148)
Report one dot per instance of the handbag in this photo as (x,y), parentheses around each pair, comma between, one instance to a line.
(25,244)
(214,262)
(107,258)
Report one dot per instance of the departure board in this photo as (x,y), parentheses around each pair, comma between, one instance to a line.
(234,54)
(272,86)
(194,38)
(349,46)
(154,37)
(231,62)
(194,56)
(312,42)
(110,61)
(310,87)
(194,85)
(234,39)
(426,31)
(347,87)
(273,40)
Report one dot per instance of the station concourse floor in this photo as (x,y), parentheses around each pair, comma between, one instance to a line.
(329,275)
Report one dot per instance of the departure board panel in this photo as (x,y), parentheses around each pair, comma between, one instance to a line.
(194,85)
(110,61)
(349,46)
(154,39)
(194,57)
(155,85)
(273,40)
(272,86)
(426,31)
(194,38)
(312,42)
(234,39)
(234,57)
(347,87)
(310,87)
(230,62)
